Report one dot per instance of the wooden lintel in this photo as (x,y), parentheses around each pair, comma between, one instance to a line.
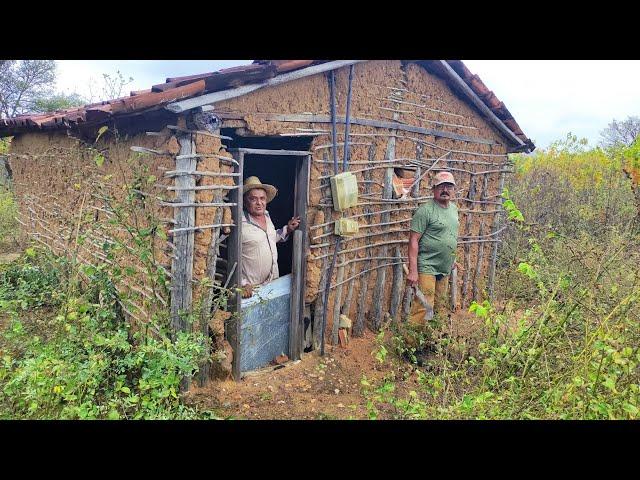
(310,118)
(261,151)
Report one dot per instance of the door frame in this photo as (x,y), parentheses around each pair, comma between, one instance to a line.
(300,244)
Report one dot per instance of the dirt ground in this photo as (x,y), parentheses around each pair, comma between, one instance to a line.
(317,387)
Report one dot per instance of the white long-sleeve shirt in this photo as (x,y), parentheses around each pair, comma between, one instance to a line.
(259,251)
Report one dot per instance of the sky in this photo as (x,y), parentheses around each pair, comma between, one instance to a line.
(548,98)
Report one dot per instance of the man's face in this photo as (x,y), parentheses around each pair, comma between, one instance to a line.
(443,192)
(255,201)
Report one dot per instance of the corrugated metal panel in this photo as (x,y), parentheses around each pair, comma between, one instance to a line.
(265,324)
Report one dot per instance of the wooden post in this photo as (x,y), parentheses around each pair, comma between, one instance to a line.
(363,305)
(319,303)
(494,253)
(483,207)
(182,263)
(234,247)
(337,296)
(346,305)
(467,229)
(205,313)
(300,245)
(453,288)
(380,279)
(297,298)
(396,287)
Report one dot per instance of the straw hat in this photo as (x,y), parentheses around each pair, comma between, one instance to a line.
(254,182)
(442,177)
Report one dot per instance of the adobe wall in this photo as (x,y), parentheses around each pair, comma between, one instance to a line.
(76,204)
(377,90)
(59,186)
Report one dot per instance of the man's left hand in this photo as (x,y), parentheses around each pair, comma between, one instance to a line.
(293,224)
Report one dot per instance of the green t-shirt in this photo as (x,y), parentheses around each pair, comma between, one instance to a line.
(437,245)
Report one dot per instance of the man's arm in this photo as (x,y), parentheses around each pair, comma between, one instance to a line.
(283,233)
(414,238)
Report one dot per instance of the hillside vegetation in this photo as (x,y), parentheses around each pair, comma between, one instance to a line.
(560,341)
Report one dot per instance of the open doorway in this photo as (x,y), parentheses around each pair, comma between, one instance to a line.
(270,322)
(279,171)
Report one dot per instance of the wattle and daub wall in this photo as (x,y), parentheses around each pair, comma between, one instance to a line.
(60,186)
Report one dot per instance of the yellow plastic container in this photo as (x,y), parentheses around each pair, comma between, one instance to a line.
(345,226)
(344,189)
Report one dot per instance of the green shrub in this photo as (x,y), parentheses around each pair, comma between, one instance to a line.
(562,341)
(8,213)
(79,359)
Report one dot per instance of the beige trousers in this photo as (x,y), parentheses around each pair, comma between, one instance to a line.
(435,291)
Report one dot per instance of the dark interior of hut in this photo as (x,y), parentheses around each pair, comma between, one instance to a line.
(276,170)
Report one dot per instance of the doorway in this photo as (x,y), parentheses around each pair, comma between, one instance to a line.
(270,323)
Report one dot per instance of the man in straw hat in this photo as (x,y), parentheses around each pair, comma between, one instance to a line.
(433,241)
(259,236)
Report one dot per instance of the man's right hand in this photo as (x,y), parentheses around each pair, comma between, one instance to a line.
(247,291)
(412,278)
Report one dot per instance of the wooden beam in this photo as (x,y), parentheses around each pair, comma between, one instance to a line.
(182,106)
(297,297)
(262,151)
(312,118)
(234,281)
(296,334)
(182,263)
(471,95)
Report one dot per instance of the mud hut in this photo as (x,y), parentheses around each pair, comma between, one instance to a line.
(183,148)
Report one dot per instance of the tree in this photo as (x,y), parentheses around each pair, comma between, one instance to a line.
(111,87)
(59,101)
(23,83)
(618,134)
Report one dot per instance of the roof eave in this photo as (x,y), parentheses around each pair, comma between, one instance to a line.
(210,98)
(517,145)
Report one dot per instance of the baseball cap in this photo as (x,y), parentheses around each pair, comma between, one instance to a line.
(442,177)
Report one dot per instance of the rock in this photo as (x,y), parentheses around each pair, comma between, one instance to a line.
(337,391)
(280,359)
(221,362)
(216,324)
(345,322)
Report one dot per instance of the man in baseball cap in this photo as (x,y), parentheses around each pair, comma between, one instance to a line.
(433,240)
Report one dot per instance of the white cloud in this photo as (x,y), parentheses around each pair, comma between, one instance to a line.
(548,99)
(77,75)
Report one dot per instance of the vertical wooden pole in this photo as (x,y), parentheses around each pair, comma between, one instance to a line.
(205,312)
(337,296)
(297,297)
(182,264)
(415,190)
(324,269)
(453,288)
(467,230)
(380,279)
(234,247)
(496,225)
(346,305)
(363,305)
(476,273)
(300,245)
(396,287)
